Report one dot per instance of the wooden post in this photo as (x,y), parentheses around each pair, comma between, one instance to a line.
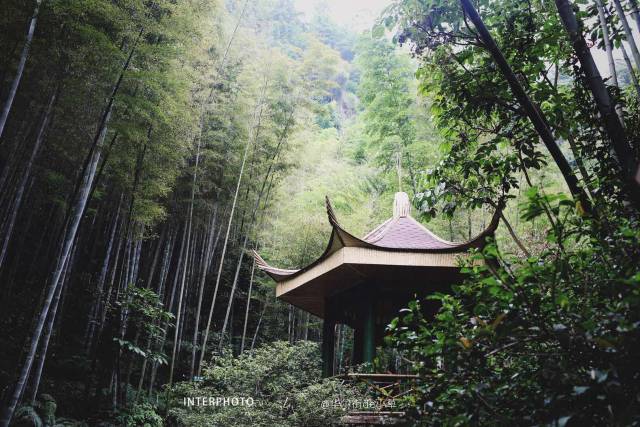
(328,343)
(358,343)
(369,331)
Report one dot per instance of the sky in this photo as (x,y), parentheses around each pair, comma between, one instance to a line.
(356,14)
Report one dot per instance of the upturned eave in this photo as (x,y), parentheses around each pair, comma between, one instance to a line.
(341,238)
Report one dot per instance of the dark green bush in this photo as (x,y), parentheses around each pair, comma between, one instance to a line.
(282,379)
(552,339)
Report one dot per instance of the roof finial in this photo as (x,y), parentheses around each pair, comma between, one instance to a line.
(401,205)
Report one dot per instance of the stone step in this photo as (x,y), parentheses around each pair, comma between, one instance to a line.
(377,418)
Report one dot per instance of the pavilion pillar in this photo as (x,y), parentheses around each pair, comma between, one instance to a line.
(328,343)
(369,331)
(358,343)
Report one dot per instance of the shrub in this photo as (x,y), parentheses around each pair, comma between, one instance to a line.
(283,381)
(141,414)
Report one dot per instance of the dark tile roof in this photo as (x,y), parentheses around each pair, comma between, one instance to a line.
(405,233)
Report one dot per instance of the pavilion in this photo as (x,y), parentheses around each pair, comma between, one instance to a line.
(365,282)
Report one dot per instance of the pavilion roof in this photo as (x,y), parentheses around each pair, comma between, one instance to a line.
(400,233)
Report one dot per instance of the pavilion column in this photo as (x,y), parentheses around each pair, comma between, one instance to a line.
(357,345)
(328,343)
(369,331)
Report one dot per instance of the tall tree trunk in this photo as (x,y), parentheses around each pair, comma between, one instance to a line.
(586,178)
(212,264)
(532,111)
(104,303)
(131,270)
(186,236)
(159,343)
(188,286)
(9,53)
(98,297)
(608,47)
(606,40)
(203,277)
(632,72)
(42,357)
(627,31)
(242,252)
(178,274)
(635,13)
(37,375)
(151,273)
(305,331)
(156,257)
(255,334)
(76,214)
(229,43)
(220,67)
(23,60)
(184,271)
(25,177)
(224,251)
(246,311)
(337,331)
(234,286)
(12,158)
(604,103)
(53,285)
(164,270)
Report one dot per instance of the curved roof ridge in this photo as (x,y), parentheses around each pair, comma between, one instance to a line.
(366,236)
(382,230)
(275,272)
(335,242)
(341,238)
(333,220)
(432,234)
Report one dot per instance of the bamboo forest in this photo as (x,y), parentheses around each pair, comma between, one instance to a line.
(319,213)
